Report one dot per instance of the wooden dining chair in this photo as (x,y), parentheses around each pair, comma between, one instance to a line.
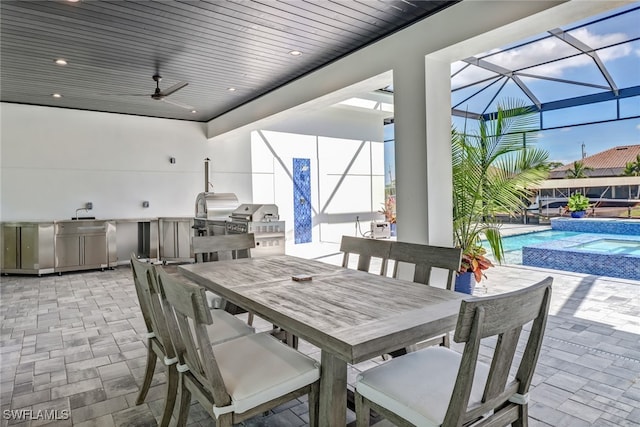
(425,258)
(219,248)
(240,378)
(159,344)
(229,247)
(437,386)
(366,249)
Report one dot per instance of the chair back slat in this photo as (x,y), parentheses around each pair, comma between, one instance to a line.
(150,296)
(503,312)
(143,292)
(502,361)
(366,249)
(223,247)
(503,316)
(188,326)
(425,258)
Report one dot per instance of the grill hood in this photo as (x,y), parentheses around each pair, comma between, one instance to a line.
(216,206)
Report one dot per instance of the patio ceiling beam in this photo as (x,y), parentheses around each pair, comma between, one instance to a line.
(555,79)
(585,48)
(468,114)
(586,99)
(483,89)
(507,73)
(592,99)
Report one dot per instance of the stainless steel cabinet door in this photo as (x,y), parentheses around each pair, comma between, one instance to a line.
(175,239)
(29,247)
(168,240)
(95,250)
(67,251)
(10,242)
(183,239)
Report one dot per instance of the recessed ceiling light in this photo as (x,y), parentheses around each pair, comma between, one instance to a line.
(61,61)
(56,95)
(73,1)
(194,111)
(295,53)
(231,89)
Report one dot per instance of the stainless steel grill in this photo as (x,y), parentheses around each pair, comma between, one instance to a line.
(213,211)
(263,221)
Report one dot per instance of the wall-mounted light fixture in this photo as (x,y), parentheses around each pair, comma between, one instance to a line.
(172,160)
(88,206)
(145,204)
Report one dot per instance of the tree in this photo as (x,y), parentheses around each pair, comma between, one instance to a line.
(579,170)
(633,169)
(492,174)
(553,165)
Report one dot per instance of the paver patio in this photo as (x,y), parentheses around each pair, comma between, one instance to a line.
(74,343)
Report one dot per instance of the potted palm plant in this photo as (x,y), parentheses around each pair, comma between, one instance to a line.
(492,173)
(578,205)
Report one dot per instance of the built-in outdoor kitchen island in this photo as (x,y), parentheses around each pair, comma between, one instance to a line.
(45,247)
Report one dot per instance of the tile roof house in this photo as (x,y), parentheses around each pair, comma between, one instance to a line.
(606,163)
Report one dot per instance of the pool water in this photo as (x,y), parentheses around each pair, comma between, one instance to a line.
(512,245)
(611,246)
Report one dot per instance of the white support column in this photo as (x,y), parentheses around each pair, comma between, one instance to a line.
(422,113)
(439,173)
(411,150)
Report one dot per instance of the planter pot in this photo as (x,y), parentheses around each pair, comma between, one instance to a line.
(465,283)
(578,214)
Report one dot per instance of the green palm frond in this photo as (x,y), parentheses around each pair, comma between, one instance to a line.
(493,172)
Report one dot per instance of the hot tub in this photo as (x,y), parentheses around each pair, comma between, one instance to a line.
(598,254)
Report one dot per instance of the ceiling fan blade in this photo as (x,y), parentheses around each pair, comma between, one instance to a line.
(178,104)
(174,88)
(123,94)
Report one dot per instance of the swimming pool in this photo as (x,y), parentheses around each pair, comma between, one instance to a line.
(512,245)
(598,253)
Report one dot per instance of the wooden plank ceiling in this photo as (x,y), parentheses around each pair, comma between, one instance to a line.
(113,48)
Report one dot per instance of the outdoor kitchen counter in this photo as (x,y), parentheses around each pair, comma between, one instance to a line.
(54,246)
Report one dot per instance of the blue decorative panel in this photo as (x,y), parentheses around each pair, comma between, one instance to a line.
(302,220)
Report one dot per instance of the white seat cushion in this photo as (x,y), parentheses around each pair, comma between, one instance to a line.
(418,386)
(214,300)
(227,327)
(258,368)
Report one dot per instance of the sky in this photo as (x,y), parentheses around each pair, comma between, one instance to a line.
(616,41)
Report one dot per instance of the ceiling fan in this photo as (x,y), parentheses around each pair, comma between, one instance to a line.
(161,95)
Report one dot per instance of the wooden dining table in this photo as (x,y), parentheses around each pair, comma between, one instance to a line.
(350,315)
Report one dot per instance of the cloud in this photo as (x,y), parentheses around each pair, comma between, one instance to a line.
(549,49)
(638,126)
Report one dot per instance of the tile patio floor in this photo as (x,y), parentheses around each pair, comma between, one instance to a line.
(75,343)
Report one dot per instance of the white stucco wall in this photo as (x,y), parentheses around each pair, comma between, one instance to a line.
(54,160)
